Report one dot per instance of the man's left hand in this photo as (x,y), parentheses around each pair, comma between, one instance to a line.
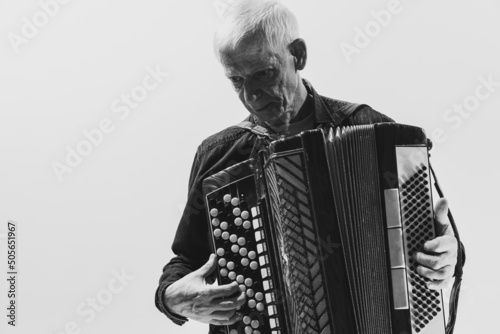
(438,257)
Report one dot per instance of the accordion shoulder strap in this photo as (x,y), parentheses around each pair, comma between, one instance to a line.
(455,291)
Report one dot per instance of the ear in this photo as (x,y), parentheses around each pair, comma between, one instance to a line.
(298,50)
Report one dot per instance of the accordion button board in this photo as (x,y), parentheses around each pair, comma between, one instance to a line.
(240,244)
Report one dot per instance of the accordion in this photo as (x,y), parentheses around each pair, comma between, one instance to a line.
(319,231)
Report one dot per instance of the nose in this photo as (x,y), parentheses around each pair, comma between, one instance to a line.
(251,91)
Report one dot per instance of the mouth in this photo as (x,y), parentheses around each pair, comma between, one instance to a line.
(262,108)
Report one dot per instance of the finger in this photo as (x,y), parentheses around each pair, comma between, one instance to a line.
(440,274)
(434,262)
(208,267)
(231,303)
(440,284)
(442,222)
(222,291)
(225,318)
(446,243)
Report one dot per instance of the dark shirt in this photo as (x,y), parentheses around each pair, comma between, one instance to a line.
(219,151)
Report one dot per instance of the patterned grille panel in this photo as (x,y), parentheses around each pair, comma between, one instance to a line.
(297,240)
(418,227)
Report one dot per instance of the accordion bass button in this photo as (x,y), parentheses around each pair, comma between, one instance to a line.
(251,303)
(222,262)
(227,198)
(248,282)
(255,324)
(233,331)
(244,261)
(245,215)
(235,201)
(236,211)
(230,265)
(223,272)
(217,233)
(241,241)
(243,251)
(247,224)
(238,221)
(235,248)
(247,320)
(215,222)
(232,275)
(252,255)
(220,251)
(260,307)
(240,279)
(233,238)
(250,293)
(224,225)
(248,330)
(214,212)
(243,288)
(254,265)
(259,296)
(225,235)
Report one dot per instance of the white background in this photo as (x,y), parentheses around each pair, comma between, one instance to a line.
(119,209)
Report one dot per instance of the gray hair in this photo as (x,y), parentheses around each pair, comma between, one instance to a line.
(247,17)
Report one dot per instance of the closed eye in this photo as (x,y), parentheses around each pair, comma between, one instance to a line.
(265,74)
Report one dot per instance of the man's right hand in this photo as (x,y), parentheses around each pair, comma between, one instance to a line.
(193,298)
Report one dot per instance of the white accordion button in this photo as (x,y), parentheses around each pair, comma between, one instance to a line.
(222,262)
(235,248)
(259,296)
(225,235)
(235,201)
(241,241)
(215,222)
(248,282)
(254,265)
(236,211)
(251,303)
(247,224)
(260,307)
(243,251)
(240,279)
(223,272)
(245,215)
(220,251)
(252,255)
(243,288)
(233,238)
(255,323)
(247,320)
(230,265)
(224,225)
(227,198)
(214,212)
(238,221)
(248,330)
(234,331)
(231,275)
(250,293)
(217,232)
(245,261)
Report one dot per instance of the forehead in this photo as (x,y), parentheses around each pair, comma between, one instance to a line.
(251,54)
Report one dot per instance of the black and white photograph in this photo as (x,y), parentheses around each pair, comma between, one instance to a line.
(249,166)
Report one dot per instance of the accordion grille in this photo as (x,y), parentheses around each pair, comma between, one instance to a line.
(418,227)
(297,243)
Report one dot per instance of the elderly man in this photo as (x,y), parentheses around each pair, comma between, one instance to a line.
(262,55)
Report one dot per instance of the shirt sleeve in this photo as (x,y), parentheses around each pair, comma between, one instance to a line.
(190,244)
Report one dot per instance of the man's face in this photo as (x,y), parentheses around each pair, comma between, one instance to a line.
(265,79)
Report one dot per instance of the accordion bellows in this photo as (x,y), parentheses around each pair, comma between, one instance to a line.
(320,229)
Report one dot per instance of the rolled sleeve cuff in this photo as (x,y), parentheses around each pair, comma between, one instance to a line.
(176,318)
